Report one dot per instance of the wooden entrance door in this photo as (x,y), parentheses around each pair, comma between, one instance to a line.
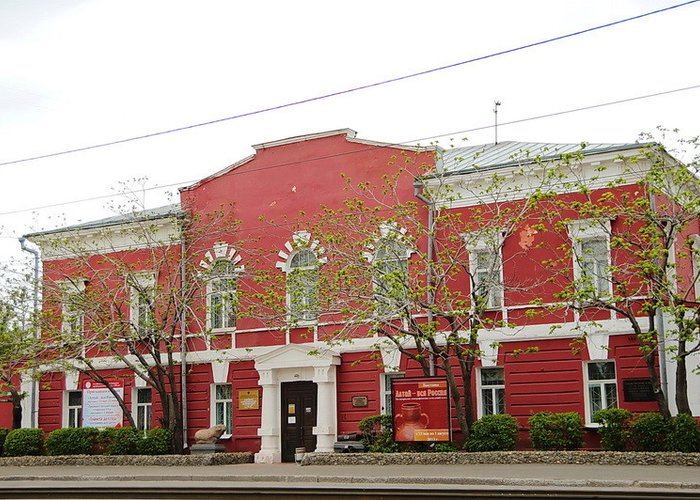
(298,418)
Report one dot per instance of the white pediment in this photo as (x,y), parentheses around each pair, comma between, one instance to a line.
(297,356)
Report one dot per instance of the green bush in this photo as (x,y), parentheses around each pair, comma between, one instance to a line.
(156,442)
(444,447)
(648,432)
(21,442)
(119,440)
(377,434)
(556,431)
(683,434)
(3,435)
(613,428)
(494,433)
(72,441)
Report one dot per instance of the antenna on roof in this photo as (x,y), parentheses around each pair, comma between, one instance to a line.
(495,121)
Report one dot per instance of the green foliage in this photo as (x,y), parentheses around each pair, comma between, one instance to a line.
(444,447)
(22,442)
(72,441)
(3,435)
(377,434)
(556,431)
(156,442)
(119,440)
(684,434)
(648,432)
(494,433)
(613,429)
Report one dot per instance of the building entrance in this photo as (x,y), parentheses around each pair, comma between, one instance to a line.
(298,418)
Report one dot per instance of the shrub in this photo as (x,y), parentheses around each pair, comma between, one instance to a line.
(444,447)
(613,428)
(156,442)
(72,441)
(683,434)
(494,433)
(648,432)
(21,442)
(556,431)
(377,434)
(3,435)
(119,440)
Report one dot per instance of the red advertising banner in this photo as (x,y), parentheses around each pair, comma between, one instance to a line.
(421,409)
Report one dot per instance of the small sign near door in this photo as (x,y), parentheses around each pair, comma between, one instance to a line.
(249,399)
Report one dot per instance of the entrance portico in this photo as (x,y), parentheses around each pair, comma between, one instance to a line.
(296,363)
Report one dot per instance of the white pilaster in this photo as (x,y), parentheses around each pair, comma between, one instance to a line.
(325,429)
(269,430)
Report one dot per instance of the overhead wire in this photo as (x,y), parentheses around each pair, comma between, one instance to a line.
(357,151)
(351,89)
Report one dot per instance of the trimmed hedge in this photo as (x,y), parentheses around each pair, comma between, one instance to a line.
(22,442)
(155,442)
(648,432)
(72,441)
(3,434)
(683,434)
(377,434)
(613,429)
(494,433)
(556,431)
(119,440)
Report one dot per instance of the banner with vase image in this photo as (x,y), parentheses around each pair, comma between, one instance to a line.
(420,409)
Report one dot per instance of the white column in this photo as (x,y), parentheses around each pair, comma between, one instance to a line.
(28,386)
(325,429)
(269,430)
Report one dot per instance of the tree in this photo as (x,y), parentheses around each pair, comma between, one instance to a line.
(634,252)
(123,295)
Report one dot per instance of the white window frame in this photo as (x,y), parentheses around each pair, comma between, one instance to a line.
(228,408)
(143,421)
(385,390)
(695,259)
(72,414)
(494,388)
(72,315)
(587,230)
(601,384)
(303,313)
(138,282)
(228,306)
(397,257)
(492,246)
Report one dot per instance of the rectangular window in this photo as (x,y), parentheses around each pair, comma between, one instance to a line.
(601,387)
(390,276)
(75,409)
(143,409)
(695,257)
(223,405)
(486,274)
(386,390)
(72,307)
(492,391)
(222,296)
(143,294)
(593,259)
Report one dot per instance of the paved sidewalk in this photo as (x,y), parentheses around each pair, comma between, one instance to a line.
(687,478)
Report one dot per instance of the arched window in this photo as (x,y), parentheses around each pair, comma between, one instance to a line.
(302,286)
(221,295)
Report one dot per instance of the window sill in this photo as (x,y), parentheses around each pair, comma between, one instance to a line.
(225,437)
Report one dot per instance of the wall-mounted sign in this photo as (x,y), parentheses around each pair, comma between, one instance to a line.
(100,407)
(638,389)
(421,409)
(359,401)
(248,399)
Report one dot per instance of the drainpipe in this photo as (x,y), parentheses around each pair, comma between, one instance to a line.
(418,188)
(183,341)
(32,393)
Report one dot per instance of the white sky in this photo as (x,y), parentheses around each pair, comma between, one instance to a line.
(81,72)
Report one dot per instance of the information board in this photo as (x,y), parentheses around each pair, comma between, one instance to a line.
(100,407)
(421,409)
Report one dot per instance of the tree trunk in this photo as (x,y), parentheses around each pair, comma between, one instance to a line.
(16,398)
(659,394)
(682,402)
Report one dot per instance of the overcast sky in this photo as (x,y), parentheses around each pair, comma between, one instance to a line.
(82,72)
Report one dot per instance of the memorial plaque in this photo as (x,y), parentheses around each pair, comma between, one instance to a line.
(638,389)
(359,401)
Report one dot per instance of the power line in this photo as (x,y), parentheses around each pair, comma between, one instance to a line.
(396,144)
(351,89)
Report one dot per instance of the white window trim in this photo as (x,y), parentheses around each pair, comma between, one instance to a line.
(695,260)
(234,274)
(589,229)
(212,407)
(480,386)
(68,289)
(143,280)
(484,243)
(586,397)
(135,407)
(66,408)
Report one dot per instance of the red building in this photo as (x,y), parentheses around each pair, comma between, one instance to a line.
(234,276)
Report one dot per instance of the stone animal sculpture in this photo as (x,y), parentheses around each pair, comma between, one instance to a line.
(210,435)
